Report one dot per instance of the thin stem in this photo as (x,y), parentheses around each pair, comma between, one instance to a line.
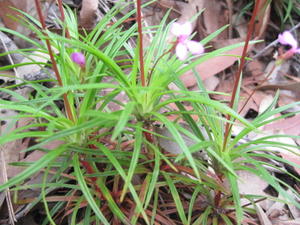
(62,14)
(140,34)
(54,65)
(239,72)
(155,64)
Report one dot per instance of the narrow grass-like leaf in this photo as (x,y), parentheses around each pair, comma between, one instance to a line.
(134,160)
(86,192)
(210,55)
(226,219)
(87,216)
(37,166)
(236,197)
(43,193)
(192,202)
(176,199)
(75,211)
(264,174)
(122,173)
(211,36)
(112,204)
(124,117)
(178,138)
(215,104)
(202,220)
(154,177)
(155,204)
(24,37)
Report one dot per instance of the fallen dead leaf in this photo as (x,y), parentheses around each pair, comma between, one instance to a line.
(291,222)
(212,66)
(255,68)
(31,68)
(255,187)
(262,19)
(211,83)
(211,21)
(295,212)
(88,13)
(7,13)
(263,218)
(288,125)
(189,10)
(6,10)
(253,103)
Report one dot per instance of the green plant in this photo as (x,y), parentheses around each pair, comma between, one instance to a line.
(117,170)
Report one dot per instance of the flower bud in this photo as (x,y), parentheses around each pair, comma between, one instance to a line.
(78,58)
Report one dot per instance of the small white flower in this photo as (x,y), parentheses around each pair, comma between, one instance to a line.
(182,32)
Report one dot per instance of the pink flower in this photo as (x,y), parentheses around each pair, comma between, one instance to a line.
(286,38)
(182,32)
(78,58)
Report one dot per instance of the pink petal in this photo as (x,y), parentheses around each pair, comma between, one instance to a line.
(194,47)
(298,50)
(187,29)
(78,58)
(286,38)
(181,29)
(181,51)
(176,29)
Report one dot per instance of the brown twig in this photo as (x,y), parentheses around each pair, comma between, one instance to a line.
(239,72)
(54,65)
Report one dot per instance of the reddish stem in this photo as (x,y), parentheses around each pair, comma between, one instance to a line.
(62,13)
(239,72)
(140,32)
(148,136)
(54,65)
(90,170)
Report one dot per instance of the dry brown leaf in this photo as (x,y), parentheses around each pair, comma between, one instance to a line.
(211,83)
(170,145)
(295,212)
(293,86)
(212,66)
(31,68)
(291,222)
(263,18)
(189,10)
(255,68)
(253,103)
(291,154)
(254,187)
(292,158)
(10,152)
(88,13)
(213,22)
(6,11)
(34,156)
(288,126)
(263,218)
(277,211)
(7,45)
